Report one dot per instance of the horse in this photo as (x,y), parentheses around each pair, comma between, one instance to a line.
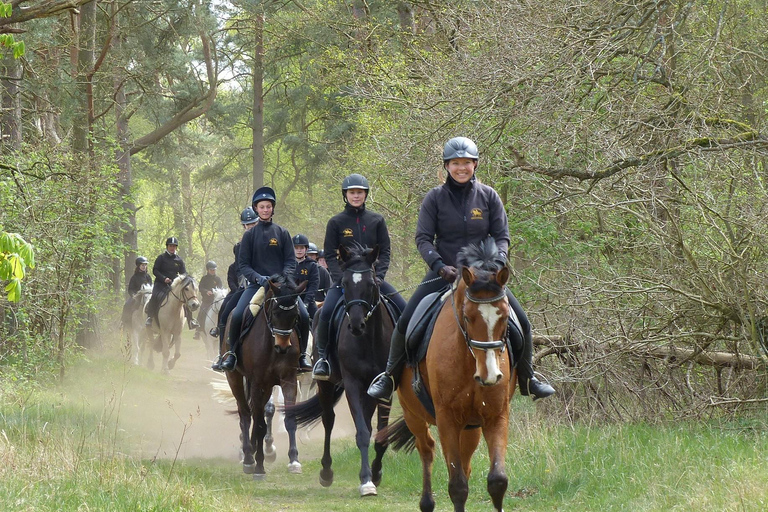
(468,374)
(210,321)
(361,354)
(170,319)
(269,357)
(137,336)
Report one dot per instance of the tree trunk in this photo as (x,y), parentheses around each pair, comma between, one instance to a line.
(10,117)
(257,125)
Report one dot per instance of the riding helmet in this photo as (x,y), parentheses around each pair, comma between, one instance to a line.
(172,241)
(460,147)
(355,181)
(248,216)
(321,254)
(263,194)
(141,260)
(211,265)
(301,240)
(312,248)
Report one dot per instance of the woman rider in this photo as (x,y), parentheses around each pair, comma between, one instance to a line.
(459,212)
(139,278)
(266,250)
(354,224)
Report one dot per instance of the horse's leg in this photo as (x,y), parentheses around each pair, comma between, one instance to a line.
(425,444)
(325,393)
(236,384)
(270,453)
(378,446)
(166,344)
(458,488)
(176,346)
(496,439)
(362,410)
(258,402)
(289,396)
(468,441)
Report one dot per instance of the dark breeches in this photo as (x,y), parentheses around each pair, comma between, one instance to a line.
(235,326)
(227,305)
(389,290)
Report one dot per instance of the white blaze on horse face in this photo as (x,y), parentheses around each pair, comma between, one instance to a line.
(357,277)
(491,315)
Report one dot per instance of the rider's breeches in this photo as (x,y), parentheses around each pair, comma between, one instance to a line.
(387,289)
(303,326)
(525,361)
(236,324)
(332,297)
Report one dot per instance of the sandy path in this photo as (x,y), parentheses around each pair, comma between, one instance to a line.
(178,415)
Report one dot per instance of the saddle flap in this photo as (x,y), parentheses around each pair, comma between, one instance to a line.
(421,324)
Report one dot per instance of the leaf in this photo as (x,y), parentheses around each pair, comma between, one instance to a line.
(18,49)
(13,288)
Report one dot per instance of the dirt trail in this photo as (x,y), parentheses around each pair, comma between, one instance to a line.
(178,415)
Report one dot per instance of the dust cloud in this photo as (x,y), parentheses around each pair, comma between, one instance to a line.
(178,415)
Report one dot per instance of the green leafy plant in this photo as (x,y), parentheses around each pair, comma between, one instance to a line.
(16,254)
(7,40)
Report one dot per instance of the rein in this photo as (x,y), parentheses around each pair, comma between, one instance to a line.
(480,345)
(268,316)
(183,299)
(362,302)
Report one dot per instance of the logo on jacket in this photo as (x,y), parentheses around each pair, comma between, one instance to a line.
(477,214)
(304,272)
(273,242)
(347,233)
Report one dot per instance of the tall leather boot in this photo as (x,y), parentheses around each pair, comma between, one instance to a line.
(385,383)
(303,328)
(322,369)
(528,384)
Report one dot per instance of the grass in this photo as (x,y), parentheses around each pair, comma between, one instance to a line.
(59,454)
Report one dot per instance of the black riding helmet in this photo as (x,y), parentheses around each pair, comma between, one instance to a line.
(172,240)
(141,260)
(460,147)
(311,248)
(354,181)
(300,240)
(248,216)
(211,265)
(263,194)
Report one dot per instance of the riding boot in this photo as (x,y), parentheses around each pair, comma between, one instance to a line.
(303,327)
(191,322)
(229,361)
(528,384)
(385,383)
(322,368)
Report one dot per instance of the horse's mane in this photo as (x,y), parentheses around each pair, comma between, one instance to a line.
(180,279)
(486,261)
(357,254)
(145,288)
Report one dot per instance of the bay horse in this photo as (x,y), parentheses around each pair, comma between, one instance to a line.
(468,374)
(361,354)
(170,319)
(137,335)
(269,357)
(211,320)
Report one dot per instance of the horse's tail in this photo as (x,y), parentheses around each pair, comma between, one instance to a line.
(310,411)
(398,436)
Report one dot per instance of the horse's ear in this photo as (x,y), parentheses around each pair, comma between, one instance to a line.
(467,275)
(303,286)
(343,253)
(502,276)
(373,255)
(273,286)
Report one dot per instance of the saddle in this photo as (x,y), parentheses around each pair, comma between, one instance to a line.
(254,306)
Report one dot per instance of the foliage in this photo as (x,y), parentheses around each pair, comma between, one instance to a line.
(15,256)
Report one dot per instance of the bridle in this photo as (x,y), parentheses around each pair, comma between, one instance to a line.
(184,284)
(480,345)
(268,316)
(368,307)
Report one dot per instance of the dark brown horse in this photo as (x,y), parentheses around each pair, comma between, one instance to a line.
(269,357)
(360,355)
(468,375)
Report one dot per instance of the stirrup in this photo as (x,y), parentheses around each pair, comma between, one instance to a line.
(214,332)
(382,387)
(321,370)
(224,357)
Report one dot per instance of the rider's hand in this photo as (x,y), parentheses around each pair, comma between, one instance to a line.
(209,293)
(167,280)
(448,273)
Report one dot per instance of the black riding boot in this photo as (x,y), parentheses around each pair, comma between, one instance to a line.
(385,383)
(528,384)
(303,328)
(322,369)
(191,322)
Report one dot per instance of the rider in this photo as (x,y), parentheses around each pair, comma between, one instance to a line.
(354,224)
(139,278)
(167,266)
(266,250)
(459,212)
(306,270)
(237,284)
(322,273)
(208,282)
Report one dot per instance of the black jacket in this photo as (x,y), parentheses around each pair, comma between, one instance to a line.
(168,265)
(138,279)
(266,249)
(207,283)
(307,270)
(362,226)
(323,284)
(450,219)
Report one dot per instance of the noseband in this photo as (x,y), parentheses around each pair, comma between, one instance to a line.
(480,345)
(274,330)
(184,299)
(369,308)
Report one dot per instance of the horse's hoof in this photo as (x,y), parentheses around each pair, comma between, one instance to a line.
(270,457)
(294,468)
(326,481)
(249,469)
(259,477)
(171,364)
(368,489)
(166,371)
